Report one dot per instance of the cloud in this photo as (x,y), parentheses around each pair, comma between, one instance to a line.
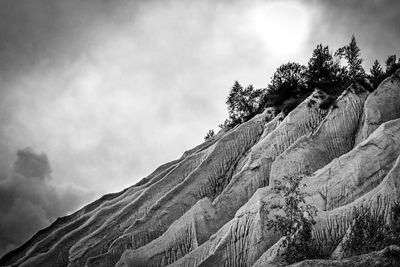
(373,22)
(31,200)
(112,89)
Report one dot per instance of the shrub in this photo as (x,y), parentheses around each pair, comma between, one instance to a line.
(367,233)
(371,232)
(293,220)
(311,103)
(290,104)
(393,232)
(209,134)
(327,103)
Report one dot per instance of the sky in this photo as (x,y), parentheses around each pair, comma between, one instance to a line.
(95,94)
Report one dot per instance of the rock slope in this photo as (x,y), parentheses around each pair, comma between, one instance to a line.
(208,208)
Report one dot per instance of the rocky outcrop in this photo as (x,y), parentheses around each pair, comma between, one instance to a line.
(333,138)
(241,241)
(208,181)
(352,175)
(331,223)
(125,221)
(381,106)
(252,172)
(210,207)
(273,256)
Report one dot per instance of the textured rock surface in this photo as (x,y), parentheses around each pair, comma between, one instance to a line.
(381,106)
(251,174)
(350,176)
(245,238)
(208,208)
(241,241)
(272,257)
(333,138)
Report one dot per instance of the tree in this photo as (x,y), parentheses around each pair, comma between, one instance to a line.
(209,134)
(295,220)
(376,70)
(242,103)
(351,53)
(234,102)
(390,64)
(252,101)
(324,73)
(288,81)
(289,77)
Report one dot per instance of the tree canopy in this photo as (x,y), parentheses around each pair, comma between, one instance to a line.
(290,78)
(390,63)
(292,82)
(376,69)
(351,53)
(323,72)
(242,103)
(288,82)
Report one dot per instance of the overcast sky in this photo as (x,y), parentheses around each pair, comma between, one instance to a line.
(109,90)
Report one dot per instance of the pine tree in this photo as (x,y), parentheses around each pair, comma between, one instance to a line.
(376,70)
(234,103)
(354,59)
(251,101)
(390,63)
(242,103)
(351,53)
(323,72)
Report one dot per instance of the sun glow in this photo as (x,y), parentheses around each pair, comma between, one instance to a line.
(282,27)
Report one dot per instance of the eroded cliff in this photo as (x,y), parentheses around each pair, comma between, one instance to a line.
(208,208)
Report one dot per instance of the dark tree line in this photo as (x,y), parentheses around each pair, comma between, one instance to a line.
(293,82)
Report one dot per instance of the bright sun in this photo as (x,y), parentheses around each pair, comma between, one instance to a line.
(282,27)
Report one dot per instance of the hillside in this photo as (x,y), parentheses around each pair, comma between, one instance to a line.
(207,208)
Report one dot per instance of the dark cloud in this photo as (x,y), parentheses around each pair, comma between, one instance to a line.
(30,164)
(30,200)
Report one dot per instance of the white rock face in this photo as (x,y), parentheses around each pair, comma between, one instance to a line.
(209,208)
(273,256)
(333,138)
(381,106)
(357,172)
(244,239)
(251,174)
(333,224)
